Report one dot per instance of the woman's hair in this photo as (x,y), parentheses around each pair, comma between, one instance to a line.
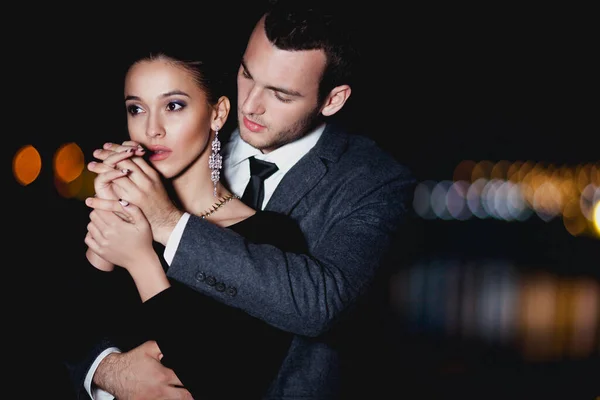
(214,72)
(209,76)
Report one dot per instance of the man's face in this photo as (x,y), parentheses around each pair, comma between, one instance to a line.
(277,92)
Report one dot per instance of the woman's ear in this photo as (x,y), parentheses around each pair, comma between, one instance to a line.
(220,113)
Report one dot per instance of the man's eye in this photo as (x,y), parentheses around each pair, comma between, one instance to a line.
(282,99)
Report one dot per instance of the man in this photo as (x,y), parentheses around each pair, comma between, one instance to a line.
(350,198)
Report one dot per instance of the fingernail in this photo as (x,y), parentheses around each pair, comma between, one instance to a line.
(106,145)
(88,201)
(124,203)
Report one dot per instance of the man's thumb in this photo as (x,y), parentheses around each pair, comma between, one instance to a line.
(153,349)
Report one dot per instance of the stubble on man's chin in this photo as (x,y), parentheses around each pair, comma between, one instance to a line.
(291,134)
(301,128)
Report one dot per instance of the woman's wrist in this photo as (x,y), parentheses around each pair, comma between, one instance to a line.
(149,277)
(98,262)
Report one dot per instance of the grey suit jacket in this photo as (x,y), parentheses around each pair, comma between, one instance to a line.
(350,199)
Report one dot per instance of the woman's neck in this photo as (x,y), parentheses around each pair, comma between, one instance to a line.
(194,188)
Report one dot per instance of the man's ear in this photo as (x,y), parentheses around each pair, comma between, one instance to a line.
(220,112)
(336,99)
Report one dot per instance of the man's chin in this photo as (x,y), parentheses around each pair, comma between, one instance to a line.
(252,138)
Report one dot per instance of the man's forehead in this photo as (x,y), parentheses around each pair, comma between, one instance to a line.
(297,70)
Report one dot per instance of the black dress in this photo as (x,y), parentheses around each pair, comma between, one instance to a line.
(217,351)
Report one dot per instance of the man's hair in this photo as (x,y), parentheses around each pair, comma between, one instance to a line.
(315,25)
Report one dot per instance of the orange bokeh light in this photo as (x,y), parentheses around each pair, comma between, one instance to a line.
(27,164)
(68,162)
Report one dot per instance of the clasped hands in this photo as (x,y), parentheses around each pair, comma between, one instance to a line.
(131,207)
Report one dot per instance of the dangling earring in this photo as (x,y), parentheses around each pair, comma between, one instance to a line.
(215,162)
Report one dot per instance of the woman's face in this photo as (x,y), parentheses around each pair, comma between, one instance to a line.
(167,112)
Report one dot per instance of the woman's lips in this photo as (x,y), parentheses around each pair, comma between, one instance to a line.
(158,153)
(252,126)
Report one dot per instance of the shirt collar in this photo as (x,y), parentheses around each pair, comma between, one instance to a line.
(285,156)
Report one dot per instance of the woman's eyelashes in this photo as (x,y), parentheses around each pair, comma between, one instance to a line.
(175,105)
(172,106)
(133,109)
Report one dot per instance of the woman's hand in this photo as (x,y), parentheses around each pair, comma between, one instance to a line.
(139,184)
(121,242)
(107,171)
(104,189)
(127,244)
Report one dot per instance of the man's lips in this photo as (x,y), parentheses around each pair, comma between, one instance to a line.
(252,126)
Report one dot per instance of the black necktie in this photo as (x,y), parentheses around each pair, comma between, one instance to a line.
(255,192)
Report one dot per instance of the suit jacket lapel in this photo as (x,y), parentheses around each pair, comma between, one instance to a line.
(311,168)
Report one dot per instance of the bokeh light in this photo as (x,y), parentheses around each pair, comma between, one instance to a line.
(27,164)
(514,191)
(545,316)
(68,162)
(597,217)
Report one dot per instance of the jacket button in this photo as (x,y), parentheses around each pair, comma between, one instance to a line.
(220,287)
(200,276)
(231,291)
(211,281)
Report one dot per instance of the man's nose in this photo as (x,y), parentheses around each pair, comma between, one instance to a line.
(253,103)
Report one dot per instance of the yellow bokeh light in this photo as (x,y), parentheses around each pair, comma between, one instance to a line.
(463,171)
(68,189)
(87,185)
(512,174)
(500,170)
(68,162)
(524,170)
(597,217)
(27,165)
(482,170)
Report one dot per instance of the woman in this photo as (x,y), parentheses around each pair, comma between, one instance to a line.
(174,114)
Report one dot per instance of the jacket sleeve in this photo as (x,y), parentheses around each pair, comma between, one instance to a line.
(300,293)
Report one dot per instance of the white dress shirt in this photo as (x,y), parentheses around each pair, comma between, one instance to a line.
(236,168)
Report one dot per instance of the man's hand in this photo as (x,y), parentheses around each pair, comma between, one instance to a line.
(139,374)
(142,186)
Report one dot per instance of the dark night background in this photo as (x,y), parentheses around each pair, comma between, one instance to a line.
(440,85)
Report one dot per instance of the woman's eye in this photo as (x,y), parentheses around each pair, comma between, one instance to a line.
(133,110)
(172,106)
